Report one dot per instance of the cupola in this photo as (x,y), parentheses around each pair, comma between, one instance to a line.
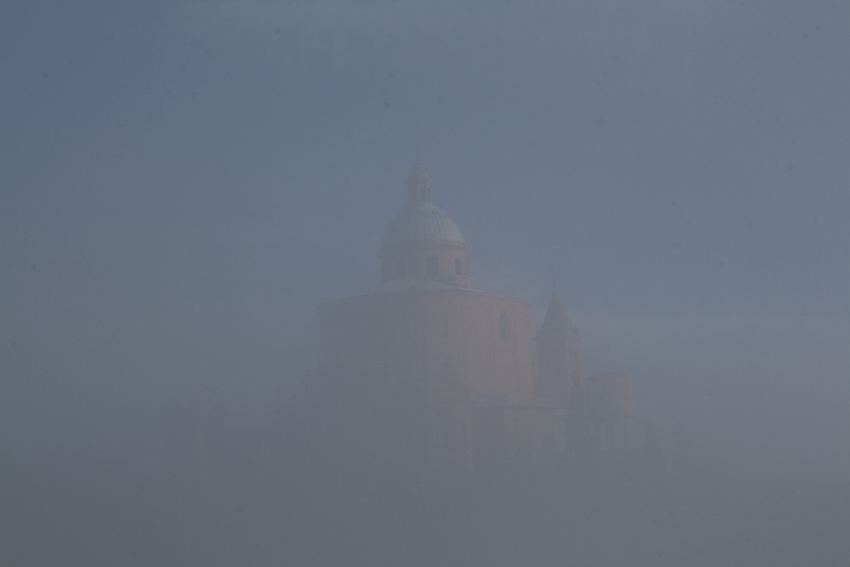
(422,241)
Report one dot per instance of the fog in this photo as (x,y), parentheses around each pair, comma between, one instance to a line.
(183,184)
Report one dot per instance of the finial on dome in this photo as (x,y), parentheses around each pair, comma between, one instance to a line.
(419,185)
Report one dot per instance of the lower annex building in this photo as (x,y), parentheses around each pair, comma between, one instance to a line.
(426,367)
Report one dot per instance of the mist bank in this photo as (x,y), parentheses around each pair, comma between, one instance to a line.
(277,493)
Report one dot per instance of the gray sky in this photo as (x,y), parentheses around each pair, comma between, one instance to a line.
(182,183)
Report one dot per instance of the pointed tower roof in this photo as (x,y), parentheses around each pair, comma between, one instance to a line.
(556,317)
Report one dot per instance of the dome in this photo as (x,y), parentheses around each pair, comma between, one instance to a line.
(420,222)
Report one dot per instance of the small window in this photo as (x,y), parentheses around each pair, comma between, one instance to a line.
(433,267)
(504,327)
(458,266)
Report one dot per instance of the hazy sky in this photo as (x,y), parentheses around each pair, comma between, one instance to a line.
(181,184)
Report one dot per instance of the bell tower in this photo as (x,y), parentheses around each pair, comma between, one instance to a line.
(558,368)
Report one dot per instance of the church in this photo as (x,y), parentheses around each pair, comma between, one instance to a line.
(427,368)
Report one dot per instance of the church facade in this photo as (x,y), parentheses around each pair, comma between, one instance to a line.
(427,367)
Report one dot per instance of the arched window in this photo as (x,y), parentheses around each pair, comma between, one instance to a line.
(504,327)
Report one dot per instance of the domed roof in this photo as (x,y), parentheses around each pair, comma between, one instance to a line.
(420,222)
